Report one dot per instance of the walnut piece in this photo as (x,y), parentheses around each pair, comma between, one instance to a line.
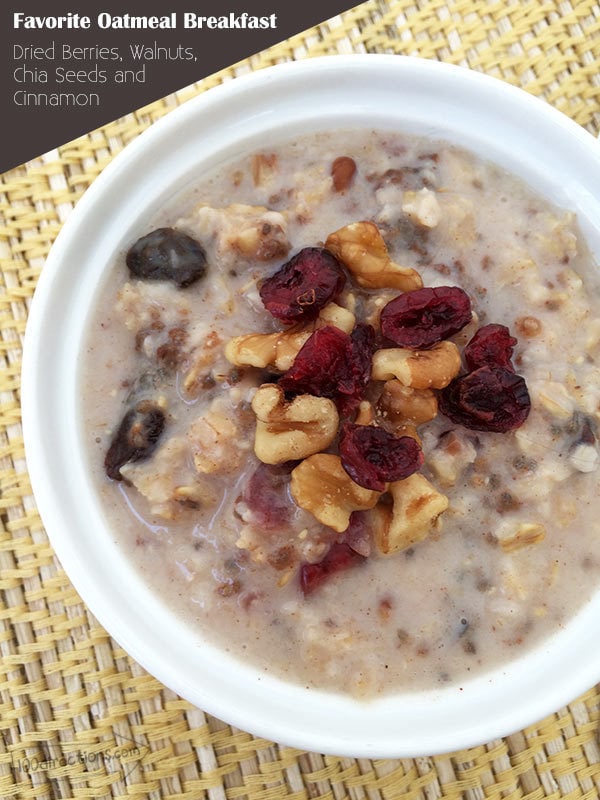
(420,369)
(291,431)
(279,349)
(360,246)
(321,486)
(202,360)
(263,241)
(400,403)
(513,537)
(411,517)
(422,207)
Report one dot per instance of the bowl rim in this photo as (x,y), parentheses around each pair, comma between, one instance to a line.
(411,725)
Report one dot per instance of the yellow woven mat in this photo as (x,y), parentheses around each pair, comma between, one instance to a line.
(78,718)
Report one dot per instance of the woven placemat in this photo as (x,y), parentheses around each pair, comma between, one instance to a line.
(78,717)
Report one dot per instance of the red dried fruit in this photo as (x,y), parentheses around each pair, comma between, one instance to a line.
(423,317)
(373,457)
(363,347)
(266,495)
(303,285)
(339,557)
(136,437)
(493,345)
(352,387)
(319,363)
(333,364)
(488,399)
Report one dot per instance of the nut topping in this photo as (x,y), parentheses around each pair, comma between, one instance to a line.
(360,246)
(419,369)
(321,486)
(415,510)
(291,431)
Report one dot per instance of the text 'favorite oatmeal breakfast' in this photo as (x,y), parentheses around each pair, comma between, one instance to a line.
(342,400)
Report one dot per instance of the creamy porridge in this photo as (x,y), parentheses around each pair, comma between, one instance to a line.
(342,403)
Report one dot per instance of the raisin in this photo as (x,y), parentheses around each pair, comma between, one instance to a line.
(136,437)
(343,170)
(489,399)
(303,285)
(373,457)
(333,364)
(340,556)
(267,497)
(493,345)
(423,317)
(167,254)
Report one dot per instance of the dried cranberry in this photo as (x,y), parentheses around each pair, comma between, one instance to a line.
(488,399)
(319,363)
(493,345)
(423,317)
(333,364)
(363,346)
(167,254)
(303,285)
(352,386)
(267,497)
(340,556)
(136,437)
(373,457)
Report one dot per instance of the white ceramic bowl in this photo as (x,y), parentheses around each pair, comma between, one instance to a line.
(503,124)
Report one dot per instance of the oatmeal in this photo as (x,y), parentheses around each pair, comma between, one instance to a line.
(342,403)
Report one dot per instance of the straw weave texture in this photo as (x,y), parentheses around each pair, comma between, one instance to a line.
(78,718)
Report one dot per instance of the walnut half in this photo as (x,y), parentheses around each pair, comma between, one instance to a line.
(420,369)
(360,246)
(412,516)
(322,486)
(294,430)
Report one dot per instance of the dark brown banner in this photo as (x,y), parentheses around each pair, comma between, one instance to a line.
(70,68)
